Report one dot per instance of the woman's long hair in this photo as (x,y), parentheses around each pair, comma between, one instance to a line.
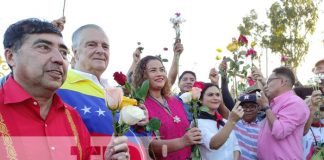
(139,75)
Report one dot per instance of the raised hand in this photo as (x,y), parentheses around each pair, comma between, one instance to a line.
(223,65)
(257,75)
(59,23)
(316,98)
(262,100)
(214,76)
(178,47)
(137,55)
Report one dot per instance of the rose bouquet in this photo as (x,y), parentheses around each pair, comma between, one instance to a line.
(136,97)
(129,113)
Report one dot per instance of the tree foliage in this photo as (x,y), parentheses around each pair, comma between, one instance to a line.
(291,23)
(250,26)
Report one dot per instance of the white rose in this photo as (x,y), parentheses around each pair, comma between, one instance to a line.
(196,93)
(131,115)
(186,97)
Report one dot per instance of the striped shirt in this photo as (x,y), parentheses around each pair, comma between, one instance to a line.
(247,137)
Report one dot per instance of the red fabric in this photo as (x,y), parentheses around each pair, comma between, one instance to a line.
(199,85)
(317,124)
(33,137)
(218,119)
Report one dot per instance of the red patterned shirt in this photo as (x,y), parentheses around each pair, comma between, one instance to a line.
(25,135)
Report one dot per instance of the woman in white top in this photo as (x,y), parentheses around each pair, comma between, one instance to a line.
(218,140)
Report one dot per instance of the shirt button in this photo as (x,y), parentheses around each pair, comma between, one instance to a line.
(53,148)
(35,103)
(45,125)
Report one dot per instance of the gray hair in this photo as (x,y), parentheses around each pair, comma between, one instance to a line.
(77,33)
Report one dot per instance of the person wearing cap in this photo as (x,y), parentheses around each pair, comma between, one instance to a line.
(286,116)
(247,129)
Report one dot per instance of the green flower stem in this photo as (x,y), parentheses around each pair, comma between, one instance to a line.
(235,84)
(114,122)
(195,153)
(195,113)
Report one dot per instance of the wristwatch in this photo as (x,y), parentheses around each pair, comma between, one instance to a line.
(264,109)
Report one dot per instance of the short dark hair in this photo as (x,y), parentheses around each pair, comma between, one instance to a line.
(185,72)
(286,72)
(17,32)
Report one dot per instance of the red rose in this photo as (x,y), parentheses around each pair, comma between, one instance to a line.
(251,81)
(284,58)
(199,85)
(251,52)
(243,40)
(120,78)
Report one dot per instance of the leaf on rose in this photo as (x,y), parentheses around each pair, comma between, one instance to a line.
(242,53)
(153,125)
(142,91)
(247,67)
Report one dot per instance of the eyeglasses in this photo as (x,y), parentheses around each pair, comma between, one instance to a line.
(271,79)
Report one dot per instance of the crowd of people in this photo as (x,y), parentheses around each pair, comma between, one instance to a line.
(51,111)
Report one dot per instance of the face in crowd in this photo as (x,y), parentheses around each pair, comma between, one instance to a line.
(91,49)
(280,80)
(152,69)
(186,81)
(211,97)
(155,73)
(37,55)
(250,111)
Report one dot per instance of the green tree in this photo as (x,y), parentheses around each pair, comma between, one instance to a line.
(291,23)
(250,27)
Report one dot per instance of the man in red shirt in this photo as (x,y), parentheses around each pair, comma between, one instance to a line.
(34,122)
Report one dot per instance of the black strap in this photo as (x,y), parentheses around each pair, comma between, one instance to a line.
(313,136)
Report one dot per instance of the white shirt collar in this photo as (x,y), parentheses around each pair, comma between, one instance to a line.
(103,83)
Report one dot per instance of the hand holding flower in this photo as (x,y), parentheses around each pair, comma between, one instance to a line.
(213,76)
(131,115)
(178,47)
(144,121)
(192,137)
(117,148)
